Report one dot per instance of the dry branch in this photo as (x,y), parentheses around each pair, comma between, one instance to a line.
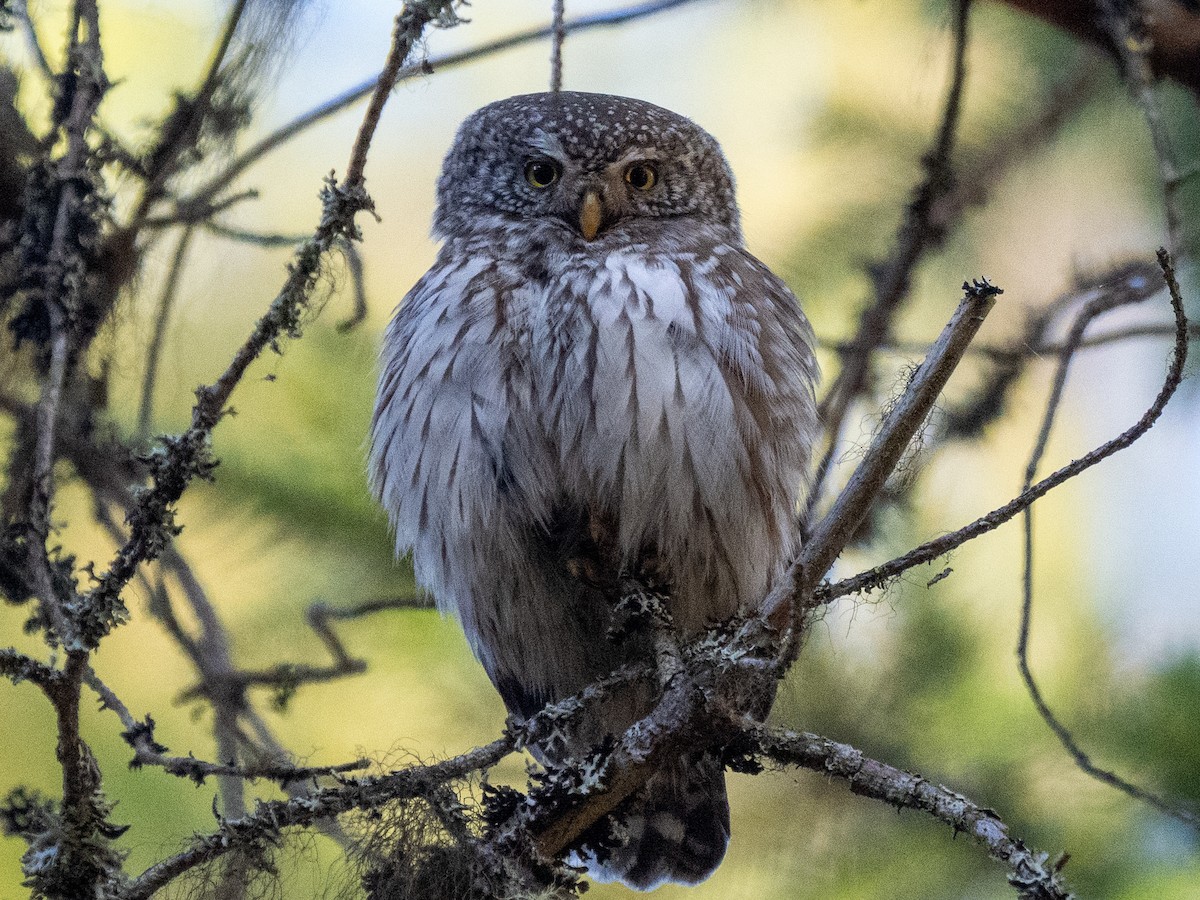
(1086,315)
(919,232)
(788,607)
(1032,873)
(927,552)
(1173,29)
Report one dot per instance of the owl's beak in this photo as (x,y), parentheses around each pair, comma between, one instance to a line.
(591,214)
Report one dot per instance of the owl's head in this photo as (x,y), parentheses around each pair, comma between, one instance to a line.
(592,163)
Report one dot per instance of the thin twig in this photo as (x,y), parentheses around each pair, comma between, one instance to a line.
(181,132)
(556,44)
(931,550)
(199,210)
(286,677)
(321,614)
(1124,285)
(262,239)
(187,456)
(1050,350)
(148,752)
(1131,41)
(33,42)
(917,234)
(154,351)
(409,26)
(358,280)
(1081,758)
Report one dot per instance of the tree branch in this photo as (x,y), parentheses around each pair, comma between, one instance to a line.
(1030,872)
(1081,758)
(788,606)
(918,233)
(1128,28)
(1173,30)
(880,575)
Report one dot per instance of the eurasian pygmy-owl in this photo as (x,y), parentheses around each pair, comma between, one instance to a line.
(595,379)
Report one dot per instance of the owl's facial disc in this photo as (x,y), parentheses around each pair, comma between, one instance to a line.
(595,164)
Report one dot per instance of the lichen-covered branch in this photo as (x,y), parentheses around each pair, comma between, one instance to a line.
(269,818)
(1032,873)
(181,459)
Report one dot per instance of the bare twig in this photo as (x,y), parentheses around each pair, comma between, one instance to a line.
(354,264)
(1050,350)
(1081,758)
(321,614)
(918,232)
(262,239)
(1130,39)
(154,351)
(556,44)
(34,43)
(200,210)
(180,130)
(148,752)
(880,575)
(833,532)
(410,25)
(286,677)
(1124,285)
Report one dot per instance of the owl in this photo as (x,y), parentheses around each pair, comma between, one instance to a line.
(595,381)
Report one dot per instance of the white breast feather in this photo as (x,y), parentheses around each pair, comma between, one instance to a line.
(624,386)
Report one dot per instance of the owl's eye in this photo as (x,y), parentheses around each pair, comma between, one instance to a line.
(641,176)
(541,173)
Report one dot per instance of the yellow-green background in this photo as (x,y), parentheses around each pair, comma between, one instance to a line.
(823,108)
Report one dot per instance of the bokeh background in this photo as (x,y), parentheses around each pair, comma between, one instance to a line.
(824,109)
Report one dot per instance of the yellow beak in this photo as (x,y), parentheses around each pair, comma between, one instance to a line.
(590,215)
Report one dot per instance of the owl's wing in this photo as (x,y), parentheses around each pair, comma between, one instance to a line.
(766,343)
(439,462)
(763,346)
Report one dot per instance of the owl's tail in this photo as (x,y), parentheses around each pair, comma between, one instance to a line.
(678,827)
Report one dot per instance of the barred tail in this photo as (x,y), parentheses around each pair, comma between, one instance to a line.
(678,827)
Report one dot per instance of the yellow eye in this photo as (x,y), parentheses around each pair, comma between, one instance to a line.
(541,173)
(641,176)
